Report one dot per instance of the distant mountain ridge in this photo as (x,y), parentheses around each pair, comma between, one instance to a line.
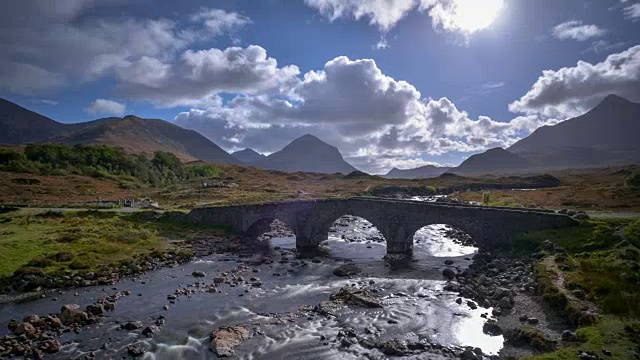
(248,156)
(422,172)
(606,135)
(309,154)
(493,161)
(135,135)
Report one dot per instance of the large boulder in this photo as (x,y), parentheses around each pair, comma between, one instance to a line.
(357,297)
(225,339)
(71,314)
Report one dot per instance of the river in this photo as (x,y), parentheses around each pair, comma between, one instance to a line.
(415,306)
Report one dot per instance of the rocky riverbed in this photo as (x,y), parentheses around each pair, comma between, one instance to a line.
(259,300)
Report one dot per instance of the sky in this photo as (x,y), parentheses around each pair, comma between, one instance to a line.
(390,83)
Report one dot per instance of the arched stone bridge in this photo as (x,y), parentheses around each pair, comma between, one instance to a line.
(397,220)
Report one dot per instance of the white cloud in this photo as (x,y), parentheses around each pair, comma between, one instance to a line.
(65,46)
(374,119)
(46,102)
(571,91)
(463,16)
(603,46)
(105,106)
(199,75)
(382,13)
(218,21)
(577,30)
(632,12)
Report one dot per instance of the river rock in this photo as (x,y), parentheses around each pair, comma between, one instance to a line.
(131,325)
(346,270)
(135,350)
(492,328)
(26,329)
(51,346)
(505,303)
(468,355)
(569,336)
(394,348)
(198,273)
(448,273)
(533,321)
(96,309)
(33,320)
(225,339)
(149,331)
(348,295)
(53,322)
(71,314)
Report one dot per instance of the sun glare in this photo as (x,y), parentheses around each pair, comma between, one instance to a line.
(473,15)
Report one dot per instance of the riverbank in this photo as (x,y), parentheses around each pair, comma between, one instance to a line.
(258,299)
(68,249)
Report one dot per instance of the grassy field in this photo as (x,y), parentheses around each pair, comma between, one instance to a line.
(600,189)
(594,189)
(593,279)
(85,240)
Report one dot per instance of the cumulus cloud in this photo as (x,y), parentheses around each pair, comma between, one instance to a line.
(67,44)
(577,30)
(198,75)
(105,106)
(571,91)
(374,119)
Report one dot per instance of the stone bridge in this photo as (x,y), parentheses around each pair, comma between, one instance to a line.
(397,220)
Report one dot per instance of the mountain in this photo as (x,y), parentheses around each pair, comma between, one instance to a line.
(21,126)
(606,135)
(493,161)
(307,153)
(427,171)
(136,135)
(248,156)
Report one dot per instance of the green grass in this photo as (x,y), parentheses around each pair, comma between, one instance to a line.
(74,240)
(595,259)
(89,240)
(617,335)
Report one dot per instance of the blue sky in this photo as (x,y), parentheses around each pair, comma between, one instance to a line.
(454,77)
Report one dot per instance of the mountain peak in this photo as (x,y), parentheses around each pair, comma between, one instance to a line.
(248,156)
(612,102)
(615,99)
(310,154)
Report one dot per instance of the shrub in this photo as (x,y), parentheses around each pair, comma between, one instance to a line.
(633,180)
(486,198)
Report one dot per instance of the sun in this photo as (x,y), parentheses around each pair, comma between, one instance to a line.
(473,15)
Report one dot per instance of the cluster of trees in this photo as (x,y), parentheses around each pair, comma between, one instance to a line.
(102,161)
